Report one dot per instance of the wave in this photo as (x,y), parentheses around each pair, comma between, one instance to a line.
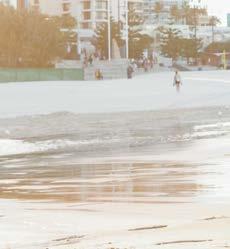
(212,126)
(106,138)
(17,147)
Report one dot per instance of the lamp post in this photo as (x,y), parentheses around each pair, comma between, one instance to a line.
(109,29)
(195,5)
(127,28)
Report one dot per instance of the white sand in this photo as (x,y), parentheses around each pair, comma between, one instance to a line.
(146,92)
(37,225)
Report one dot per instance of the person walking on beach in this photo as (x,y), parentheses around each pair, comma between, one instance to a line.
(129,72)
(177,81)
(90,60)
(98,75)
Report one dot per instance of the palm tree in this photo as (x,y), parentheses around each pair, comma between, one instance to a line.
(202,11)
(186,12)
(175,12)
(213,23)
(170,45)
(100,40)
(158,8)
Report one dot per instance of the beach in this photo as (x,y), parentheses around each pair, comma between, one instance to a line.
(116,164)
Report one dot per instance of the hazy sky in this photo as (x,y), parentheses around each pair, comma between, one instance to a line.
(219,8)
(216,7)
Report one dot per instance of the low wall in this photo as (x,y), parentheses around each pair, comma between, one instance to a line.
(23,75)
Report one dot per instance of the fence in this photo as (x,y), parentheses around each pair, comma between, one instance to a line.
(23,75)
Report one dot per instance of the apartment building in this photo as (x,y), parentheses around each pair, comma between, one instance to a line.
(89,13)
(22,4)
(151,17)
(6,2)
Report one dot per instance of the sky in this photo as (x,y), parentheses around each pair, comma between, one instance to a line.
(218,8)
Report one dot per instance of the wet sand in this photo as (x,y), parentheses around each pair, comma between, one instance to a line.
(115,205)
(116,182)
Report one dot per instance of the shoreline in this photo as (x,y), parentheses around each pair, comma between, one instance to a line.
(135,180)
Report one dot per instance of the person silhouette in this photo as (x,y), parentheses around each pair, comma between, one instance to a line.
(177,81)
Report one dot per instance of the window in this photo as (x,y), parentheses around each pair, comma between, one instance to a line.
(86,25)
(101,4)
(66,7)
(101,15)
(86,5)
(86,15)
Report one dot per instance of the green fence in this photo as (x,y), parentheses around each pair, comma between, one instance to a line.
(22,75)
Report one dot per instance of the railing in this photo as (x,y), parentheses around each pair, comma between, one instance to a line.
(25,75)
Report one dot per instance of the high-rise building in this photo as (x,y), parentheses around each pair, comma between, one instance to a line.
(150,15)
(198,3)
(22,4)
(119,8)
(5,2)
(89,13)
(228,19)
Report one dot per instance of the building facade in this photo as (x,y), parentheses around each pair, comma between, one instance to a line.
(228,20)
(6,2)
(119,8)
(89,13)
(150,15)
(22,4)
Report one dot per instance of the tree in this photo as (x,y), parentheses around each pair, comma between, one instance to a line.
(68,27)
(173,45)
(44,42)
(66,21)
(137,42)
(170,42)
(158,8)
(189,48)
(213,23)
(186,12)
(192,14)
(100,40)
(218,47)
(175,12)
(29,39)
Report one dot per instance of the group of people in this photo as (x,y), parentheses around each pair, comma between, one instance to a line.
(177,82)
(142,62)
(147,63)
(88,59)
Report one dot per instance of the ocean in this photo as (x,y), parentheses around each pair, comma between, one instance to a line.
(52,156)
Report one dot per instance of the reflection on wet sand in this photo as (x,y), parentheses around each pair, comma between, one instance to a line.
(138,182)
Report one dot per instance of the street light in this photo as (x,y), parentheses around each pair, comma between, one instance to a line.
(127,28)
(109,29)
(195,5)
